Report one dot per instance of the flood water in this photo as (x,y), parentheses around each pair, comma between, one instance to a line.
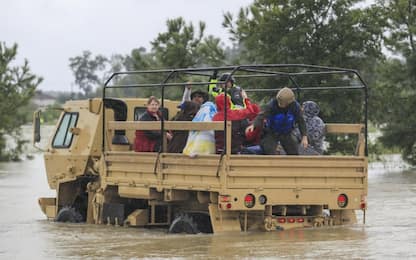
(389,232)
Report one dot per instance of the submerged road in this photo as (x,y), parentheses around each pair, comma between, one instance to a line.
(389,232)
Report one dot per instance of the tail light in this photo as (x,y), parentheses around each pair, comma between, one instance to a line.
(342,200)
(363,204)
(291,220)
(300,220)
(281,220)
(225,198)
(249,200)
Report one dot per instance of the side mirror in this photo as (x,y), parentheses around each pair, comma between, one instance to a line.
(36,126)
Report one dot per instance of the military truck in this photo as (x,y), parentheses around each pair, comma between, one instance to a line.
(99,178)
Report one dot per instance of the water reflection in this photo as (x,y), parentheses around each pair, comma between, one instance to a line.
(390,230)
(69,240)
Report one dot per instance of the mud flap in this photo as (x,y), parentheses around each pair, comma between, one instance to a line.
(90,215)
(223,221)
(113,213)
(344,217)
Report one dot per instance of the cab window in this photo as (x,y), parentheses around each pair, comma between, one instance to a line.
(63,136)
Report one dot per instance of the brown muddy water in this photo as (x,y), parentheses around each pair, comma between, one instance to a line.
(389,233)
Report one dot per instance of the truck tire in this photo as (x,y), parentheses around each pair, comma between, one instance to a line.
(191,223)
(183,224)
(68,214)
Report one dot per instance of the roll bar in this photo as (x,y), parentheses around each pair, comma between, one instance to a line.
(290,71)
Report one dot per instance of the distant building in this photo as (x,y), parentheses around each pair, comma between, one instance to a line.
(42,99)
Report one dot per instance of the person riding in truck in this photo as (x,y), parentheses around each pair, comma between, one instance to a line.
(281,114)
(179,137)
(239,119)
(236,93)
(149,140)
(197,96)
(315,129)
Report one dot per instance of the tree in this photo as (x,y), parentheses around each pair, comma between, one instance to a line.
(17,87)
(86,68)
(395,88)
(141,59)
(182,46)
(322,32)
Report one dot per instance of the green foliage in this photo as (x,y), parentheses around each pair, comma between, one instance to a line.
(395,93)
(312,32)
(401,16)
(85,69)
(323,32)
(182,46)
(376,151)
(51,114)
(395,87)
(140,59)
(17,87)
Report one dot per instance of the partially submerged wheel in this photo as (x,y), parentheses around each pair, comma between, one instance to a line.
(69,214)
(191,223)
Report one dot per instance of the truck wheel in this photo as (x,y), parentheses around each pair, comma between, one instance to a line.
(203,221)
(68,214)
(191,224)
(183,224)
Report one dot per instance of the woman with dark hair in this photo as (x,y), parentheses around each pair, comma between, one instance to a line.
(150,140)
(179,138)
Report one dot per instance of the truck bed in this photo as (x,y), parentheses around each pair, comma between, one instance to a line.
(284,179)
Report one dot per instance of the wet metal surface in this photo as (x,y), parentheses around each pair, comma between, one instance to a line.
(390,231)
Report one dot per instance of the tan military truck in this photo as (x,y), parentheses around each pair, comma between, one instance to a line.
(99,178)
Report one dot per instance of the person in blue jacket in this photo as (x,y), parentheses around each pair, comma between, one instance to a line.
(279,118)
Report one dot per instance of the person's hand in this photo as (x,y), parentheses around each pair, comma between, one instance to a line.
(188,85)
(250,129)
(244,94)
(304,141)
(169,136)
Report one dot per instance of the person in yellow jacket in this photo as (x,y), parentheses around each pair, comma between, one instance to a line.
(236,93)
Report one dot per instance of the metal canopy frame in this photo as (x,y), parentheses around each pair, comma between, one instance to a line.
(252,71)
